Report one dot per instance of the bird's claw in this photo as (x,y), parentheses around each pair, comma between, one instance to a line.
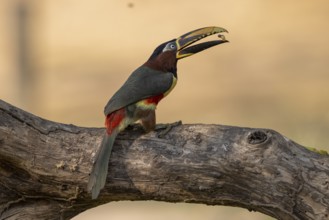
(135,126)
(166,128)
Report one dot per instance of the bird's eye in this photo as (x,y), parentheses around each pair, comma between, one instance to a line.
(172,46)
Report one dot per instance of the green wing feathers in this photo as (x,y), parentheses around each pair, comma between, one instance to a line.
(141,84)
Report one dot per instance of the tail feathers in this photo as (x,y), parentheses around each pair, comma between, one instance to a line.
(98,174)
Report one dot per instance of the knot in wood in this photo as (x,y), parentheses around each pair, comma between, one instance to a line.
(257,137)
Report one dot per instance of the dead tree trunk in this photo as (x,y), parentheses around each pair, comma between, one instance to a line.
(44,169)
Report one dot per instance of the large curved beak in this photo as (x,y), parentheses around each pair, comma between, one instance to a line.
(193,36)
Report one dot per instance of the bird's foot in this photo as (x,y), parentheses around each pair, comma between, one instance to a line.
(166,128)
(135,126)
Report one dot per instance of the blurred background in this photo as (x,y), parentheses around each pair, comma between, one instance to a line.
(63,60)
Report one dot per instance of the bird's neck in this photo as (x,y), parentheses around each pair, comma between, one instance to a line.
(165,62)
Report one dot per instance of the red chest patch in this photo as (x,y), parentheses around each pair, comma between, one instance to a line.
(154,99)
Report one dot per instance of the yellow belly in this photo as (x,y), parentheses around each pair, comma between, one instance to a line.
(174,81)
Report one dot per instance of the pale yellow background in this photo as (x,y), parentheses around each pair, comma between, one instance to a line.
(274,73)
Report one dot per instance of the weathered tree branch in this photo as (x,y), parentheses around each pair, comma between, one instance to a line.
(44,169)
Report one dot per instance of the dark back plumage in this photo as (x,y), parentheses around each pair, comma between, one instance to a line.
(143,83)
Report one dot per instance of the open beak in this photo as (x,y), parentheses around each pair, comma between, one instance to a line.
(193,36)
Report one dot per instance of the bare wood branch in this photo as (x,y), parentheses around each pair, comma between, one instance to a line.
(44,169)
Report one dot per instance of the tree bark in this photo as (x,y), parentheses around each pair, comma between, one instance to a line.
(44,168)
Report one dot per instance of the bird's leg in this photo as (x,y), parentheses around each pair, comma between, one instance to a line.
(166,128)
(148,120)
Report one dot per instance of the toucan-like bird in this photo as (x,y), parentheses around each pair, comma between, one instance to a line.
(138,97)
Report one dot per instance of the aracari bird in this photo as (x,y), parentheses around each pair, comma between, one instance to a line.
(138,97)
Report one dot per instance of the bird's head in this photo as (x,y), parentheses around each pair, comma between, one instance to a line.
(166,55)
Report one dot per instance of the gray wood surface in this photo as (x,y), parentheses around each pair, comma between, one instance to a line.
(44,168)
